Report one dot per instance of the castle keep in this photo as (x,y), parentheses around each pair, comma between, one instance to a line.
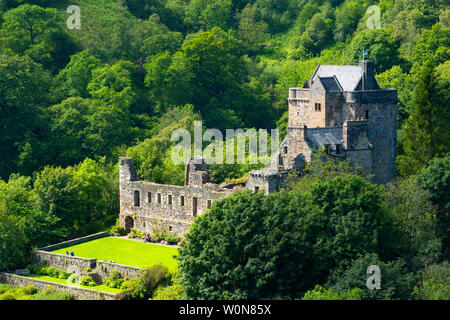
(341,109)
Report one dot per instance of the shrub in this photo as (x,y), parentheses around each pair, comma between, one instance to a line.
(87,281)
(4,288)
(88,269)
(55,272)
(160,232)
(114,279)
(118,230)
(173,239)
(143,287)
(29,290)
(172,292)
(155,276)
(7,296)
(136,233)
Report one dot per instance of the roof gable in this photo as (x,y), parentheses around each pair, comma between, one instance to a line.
(347,77)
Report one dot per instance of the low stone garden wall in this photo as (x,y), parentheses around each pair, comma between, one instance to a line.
(43,256)
(62,261)
(76,241)
(79,293)
(104,268)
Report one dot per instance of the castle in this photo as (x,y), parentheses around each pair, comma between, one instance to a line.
(341,109)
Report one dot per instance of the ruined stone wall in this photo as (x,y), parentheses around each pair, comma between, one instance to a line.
(78,292)
(172,206)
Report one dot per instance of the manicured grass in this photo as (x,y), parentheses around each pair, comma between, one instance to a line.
(101,287)
(123,251)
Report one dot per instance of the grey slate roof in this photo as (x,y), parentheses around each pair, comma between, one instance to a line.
(331,84)
(318,137)
(347,76)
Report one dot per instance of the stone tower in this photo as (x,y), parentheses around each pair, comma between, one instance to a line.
(323,113)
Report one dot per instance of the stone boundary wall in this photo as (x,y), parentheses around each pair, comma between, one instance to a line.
(78,293)
(73,242)
(62,261)
(104,268)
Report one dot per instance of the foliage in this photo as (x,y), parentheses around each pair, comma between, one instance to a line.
(320,293)
(426,130)
(55,272)
(171,292)
(434,283)
(396,281)
(280,245)
(114,279)
(87,281)
(143,287)
(13,243)
(31,293)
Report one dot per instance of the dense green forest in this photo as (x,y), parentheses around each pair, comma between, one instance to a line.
(73,101)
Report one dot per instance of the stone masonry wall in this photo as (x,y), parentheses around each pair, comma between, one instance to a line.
(79,293)
(76,241)
(62,261)
(147,204)
(104,268)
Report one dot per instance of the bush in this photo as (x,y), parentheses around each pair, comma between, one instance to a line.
(155,276)
(29,290)
(143,287)
(173,239)
(114,279)
(118,230)
(160,232)
(8,296)
(55,272)
(172,292)
(87,281)
(4,288)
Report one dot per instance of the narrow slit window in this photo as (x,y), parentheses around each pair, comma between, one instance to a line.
(208,205)
(137,200)
(149,195)
(367,114)
(182,201)
(194,206)
(169,199)
(159,197)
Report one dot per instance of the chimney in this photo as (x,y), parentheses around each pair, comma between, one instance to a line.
(368,71)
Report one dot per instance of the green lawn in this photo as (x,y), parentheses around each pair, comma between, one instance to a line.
(101,287)
(126,252)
